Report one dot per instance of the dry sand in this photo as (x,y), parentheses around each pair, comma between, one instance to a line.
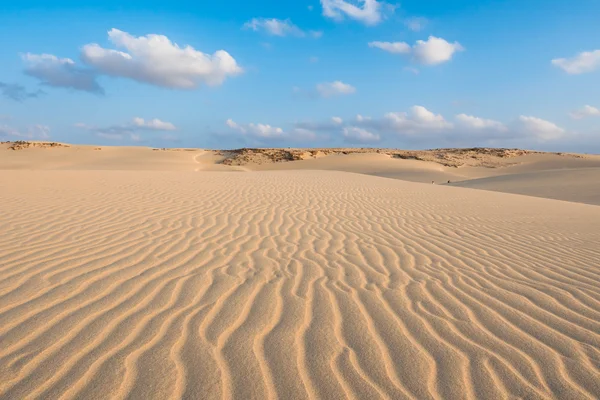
(204,284)
(569,177)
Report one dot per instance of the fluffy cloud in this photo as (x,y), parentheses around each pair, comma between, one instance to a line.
(279,27)
(262,133)
(35,132)
(154,124)
(18,92)
(416,127)
(154,59)
(432,51)
(470,122)
(539,129)
(392,47)
(337,88)
(369,12)
(587,61)
(421,127)
(353,134)
(130,130)
(586,111)
(417,120)
(60,72)
(435,50)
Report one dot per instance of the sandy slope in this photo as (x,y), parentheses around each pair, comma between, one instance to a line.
(558,179)
(296,284)
(379,165)
(578,185)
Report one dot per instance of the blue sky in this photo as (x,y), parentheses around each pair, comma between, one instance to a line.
(415,74)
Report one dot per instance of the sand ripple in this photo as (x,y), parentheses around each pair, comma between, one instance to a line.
(292,285)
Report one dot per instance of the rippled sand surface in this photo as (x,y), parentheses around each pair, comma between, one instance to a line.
(292,285)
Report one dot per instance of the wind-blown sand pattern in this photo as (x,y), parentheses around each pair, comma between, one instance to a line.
(292,285)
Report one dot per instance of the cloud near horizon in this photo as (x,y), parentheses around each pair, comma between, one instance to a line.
(154,124)
(353,134)
(34,132)
(130,130)
(416,126)
(265,133)
(420,125)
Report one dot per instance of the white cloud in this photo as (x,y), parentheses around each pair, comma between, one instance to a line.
(586,111)
(540,129)
(435,50)
(279,27)
(421,127)
(233,125)
(130,130)
(417,120)
(60,72)
(336,88)
(154,59)
(35,132)
(392,47)
(476,123)
(416,24)
(587,61)
(261,131)
(369,12)
(154,124)
(355,134)
(265,130)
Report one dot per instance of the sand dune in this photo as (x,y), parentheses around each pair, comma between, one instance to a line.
(579,185)
(378,165)
(292,284)
(561,176)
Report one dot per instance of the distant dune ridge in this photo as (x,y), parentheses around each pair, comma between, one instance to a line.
(150,274)
(561,176)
